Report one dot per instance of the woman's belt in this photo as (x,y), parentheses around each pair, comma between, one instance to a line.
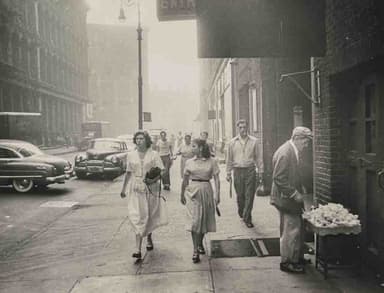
(200,180)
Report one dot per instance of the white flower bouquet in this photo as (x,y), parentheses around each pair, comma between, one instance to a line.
(331,215)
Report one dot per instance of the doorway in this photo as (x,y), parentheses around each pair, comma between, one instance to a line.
(365,160)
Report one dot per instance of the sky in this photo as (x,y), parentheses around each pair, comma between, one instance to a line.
(172,45)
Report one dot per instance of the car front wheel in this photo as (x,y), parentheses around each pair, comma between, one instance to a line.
(22,185)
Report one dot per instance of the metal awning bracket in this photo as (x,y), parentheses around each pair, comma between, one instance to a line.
(313,97)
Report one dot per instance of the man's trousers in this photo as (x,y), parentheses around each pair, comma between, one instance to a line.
(167,165)
(291,238)
(245,187)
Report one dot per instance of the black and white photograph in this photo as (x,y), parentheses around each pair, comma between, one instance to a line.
(191,146)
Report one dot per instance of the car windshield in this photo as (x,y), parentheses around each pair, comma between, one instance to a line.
(105,144)
(27,150)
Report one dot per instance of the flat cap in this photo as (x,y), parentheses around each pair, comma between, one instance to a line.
(301,131)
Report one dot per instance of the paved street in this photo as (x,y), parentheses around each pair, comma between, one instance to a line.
(87,247)
(22,215)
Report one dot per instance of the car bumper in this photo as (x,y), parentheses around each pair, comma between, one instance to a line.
(57,179)
(42,179)
(98,170)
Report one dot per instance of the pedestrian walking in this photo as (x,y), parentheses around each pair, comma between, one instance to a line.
(146,208)
(186,152)
(244,159)
(287,196)
(165,149)
(198,196)
(204,136)
(179,139)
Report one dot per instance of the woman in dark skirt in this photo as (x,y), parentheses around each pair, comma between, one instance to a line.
(198,196)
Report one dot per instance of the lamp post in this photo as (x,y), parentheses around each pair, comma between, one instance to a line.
(139,39)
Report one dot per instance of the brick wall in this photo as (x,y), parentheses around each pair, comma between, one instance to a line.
(355,37)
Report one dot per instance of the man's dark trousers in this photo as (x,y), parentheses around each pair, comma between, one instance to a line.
(167,165)
(245,186)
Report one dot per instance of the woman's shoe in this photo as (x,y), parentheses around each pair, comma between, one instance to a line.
(196,257)
(149,242)
(201,250)
(149,246)
(137,255)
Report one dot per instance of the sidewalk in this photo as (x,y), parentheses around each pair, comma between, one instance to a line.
(88,249)
(169,268)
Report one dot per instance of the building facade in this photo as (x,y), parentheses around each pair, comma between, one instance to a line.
(349,125)
(43,63)
(216,108)
(250,89)
(113,88)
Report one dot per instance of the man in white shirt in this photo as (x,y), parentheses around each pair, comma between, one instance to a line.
(165,149)
(245,160)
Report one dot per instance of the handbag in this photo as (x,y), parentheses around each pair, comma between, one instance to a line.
(153,173)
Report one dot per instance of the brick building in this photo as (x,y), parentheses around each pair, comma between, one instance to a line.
(43,63)
(349,125)
(250,88)
(113,62)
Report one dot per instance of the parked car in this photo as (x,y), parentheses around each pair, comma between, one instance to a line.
(24,166)
(105,156)
(128,139)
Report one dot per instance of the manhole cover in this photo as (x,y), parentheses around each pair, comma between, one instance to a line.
(245,247)
(268,246)
(232,248)
(59,204)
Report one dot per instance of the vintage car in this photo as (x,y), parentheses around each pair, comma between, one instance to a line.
(128,139)
(105,156)
(25,166)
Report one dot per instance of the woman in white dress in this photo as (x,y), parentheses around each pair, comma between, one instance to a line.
(146,208)
(198,196)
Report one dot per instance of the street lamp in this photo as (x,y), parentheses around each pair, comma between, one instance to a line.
(139,39)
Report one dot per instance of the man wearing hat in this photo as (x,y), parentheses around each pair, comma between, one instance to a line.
(287,196)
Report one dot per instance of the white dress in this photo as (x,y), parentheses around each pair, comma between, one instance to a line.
(146,210)
(199,194)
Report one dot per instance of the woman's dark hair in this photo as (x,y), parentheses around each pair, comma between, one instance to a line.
(205,151)
(148,140)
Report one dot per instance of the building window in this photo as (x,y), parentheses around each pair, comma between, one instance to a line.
(254,109)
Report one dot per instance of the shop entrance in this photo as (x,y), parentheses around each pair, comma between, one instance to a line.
(365,160)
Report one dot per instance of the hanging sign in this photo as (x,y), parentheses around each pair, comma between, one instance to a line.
(176,9)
